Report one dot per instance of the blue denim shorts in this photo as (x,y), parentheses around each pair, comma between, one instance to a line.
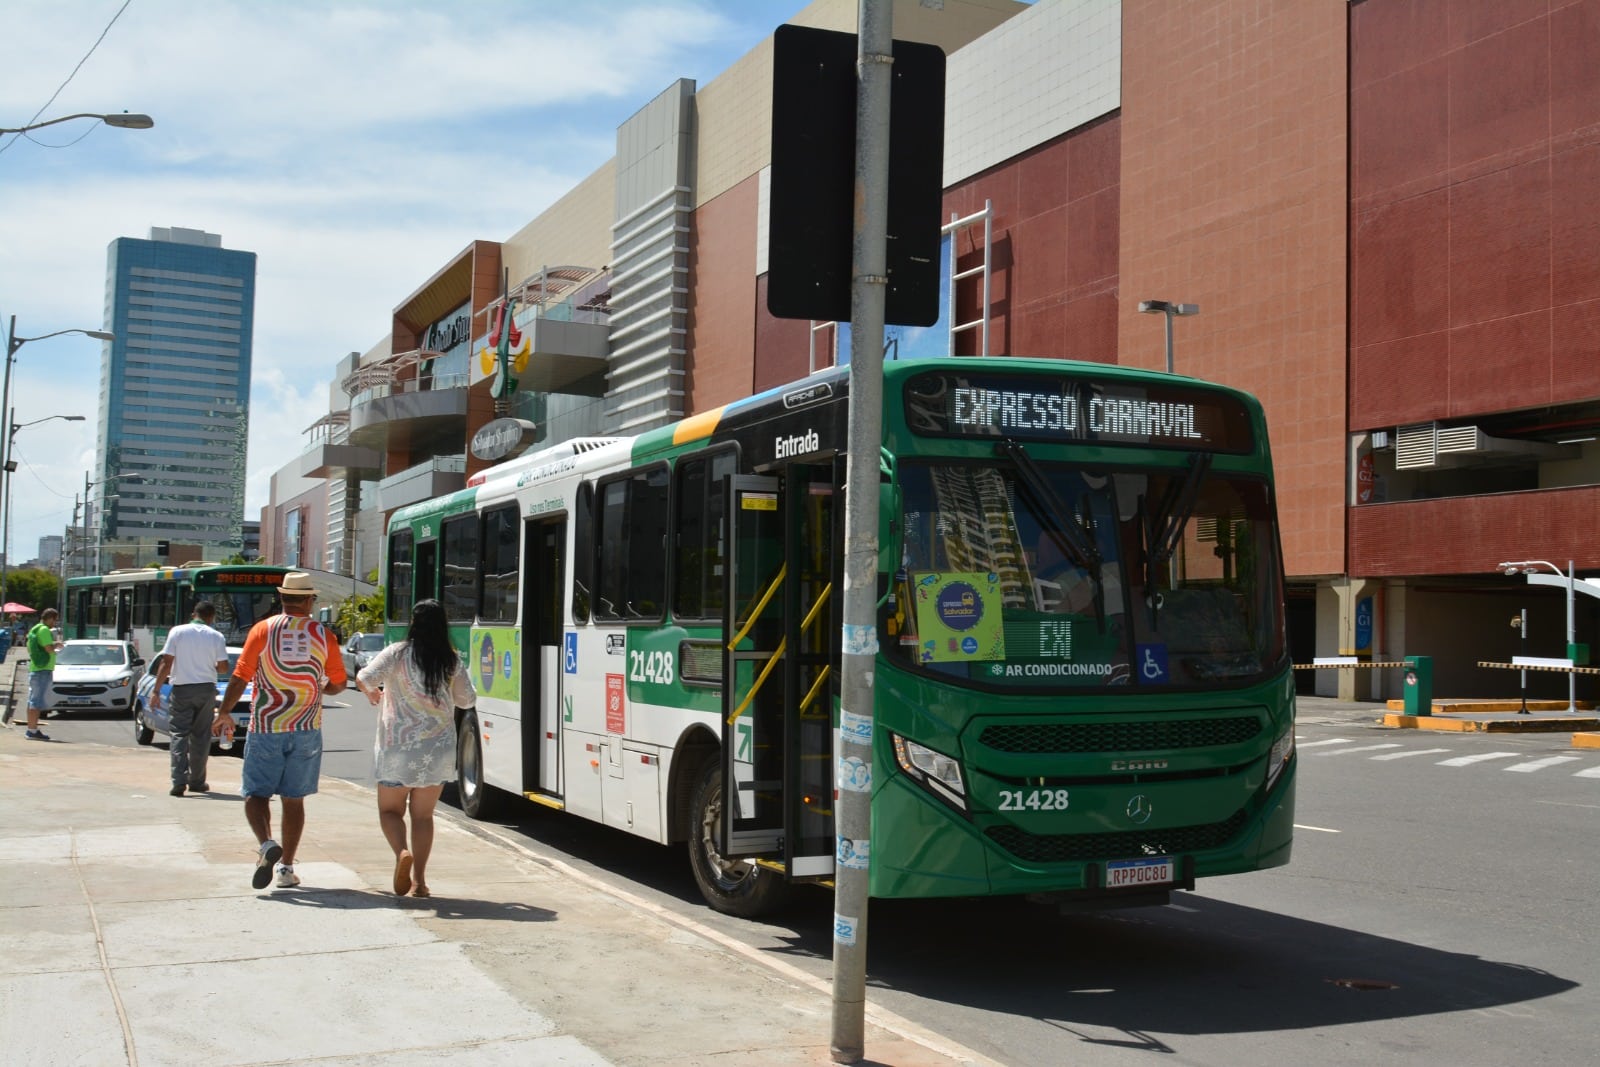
(285,765)
(38,689)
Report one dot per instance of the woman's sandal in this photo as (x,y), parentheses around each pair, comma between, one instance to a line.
(420,890)
(402,873)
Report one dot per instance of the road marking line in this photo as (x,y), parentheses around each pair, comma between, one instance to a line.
(1318,829)
(1462,761)
(1413,752)
(1541,764)
(1592,772)
(1358,748)
(1329,741)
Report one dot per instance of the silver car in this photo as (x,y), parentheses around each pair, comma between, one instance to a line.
(359,650)
(148,721)
(94,676)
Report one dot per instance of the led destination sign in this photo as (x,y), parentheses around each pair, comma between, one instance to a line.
(1042,409)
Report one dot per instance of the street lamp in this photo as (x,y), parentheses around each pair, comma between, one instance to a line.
(1169,309)
(13,342)
(1528,567)
(10,465)
(123,121)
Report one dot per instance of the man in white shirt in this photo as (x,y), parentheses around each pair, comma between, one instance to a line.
(194,655)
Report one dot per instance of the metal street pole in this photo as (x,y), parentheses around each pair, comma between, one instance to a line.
(859,637)
(1572,637)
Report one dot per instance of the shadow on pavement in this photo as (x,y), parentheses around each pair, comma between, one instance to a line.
(441,907)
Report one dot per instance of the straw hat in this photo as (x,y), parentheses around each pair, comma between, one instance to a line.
(297,583)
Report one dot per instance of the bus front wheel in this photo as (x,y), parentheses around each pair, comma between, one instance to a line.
(732,886)
(477,797)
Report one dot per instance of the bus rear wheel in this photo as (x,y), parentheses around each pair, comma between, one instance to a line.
(478,799)
(732,886)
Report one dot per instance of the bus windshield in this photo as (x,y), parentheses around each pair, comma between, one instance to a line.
(240,609)
(1059,577)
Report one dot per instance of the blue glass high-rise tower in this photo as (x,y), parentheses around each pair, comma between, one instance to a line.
(174,395)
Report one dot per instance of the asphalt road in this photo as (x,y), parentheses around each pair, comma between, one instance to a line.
(1439,909)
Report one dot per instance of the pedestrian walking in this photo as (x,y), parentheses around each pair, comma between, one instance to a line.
(418,683)
(294,662)
(43,644)
(194,656)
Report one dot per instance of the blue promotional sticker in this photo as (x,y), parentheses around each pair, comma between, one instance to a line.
(960,607)
(486,662)
(505,665)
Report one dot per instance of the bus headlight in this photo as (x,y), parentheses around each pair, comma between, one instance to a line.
(939,773)
(1278,758)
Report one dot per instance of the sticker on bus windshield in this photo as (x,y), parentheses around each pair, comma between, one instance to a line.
(959,616)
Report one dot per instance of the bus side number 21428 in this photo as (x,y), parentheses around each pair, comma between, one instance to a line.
(653,667)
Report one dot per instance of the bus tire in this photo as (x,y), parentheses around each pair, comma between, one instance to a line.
(733,887)
(478,800)
(141,733)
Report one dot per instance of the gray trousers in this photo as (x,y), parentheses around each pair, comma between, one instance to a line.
(191,713)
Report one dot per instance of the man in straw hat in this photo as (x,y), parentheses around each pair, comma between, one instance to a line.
(294,660)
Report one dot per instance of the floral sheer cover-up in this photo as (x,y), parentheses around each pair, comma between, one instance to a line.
(416,737)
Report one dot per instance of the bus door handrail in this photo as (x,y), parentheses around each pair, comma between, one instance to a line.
(755,612)
(761,679)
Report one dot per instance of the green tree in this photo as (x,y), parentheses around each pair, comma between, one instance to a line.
(34,587)
(360,614)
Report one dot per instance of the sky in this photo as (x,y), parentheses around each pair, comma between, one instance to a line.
(355,147)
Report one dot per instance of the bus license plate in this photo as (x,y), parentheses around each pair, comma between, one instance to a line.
(1124,874)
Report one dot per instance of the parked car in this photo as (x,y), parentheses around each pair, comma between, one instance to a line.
(94,676)
(148,721)
(359,649)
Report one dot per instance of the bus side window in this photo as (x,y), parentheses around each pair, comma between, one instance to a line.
(398,600)
(582,553)
(632,534)
(699,536)
(499,565)
(459,585)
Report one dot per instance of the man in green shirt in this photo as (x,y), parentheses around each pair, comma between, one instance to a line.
(42,649)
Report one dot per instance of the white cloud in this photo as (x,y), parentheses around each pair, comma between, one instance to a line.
(355,147)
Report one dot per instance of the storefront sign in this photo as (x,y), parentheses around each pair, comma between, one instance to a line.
(502,437)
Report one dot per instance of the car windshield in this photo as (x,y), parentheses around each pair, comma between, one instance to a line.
(1053,577)
(369,643)
(74,655)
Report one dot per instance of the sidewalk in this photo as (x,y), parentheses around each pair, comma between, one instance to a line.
(129,934)
(1456,716)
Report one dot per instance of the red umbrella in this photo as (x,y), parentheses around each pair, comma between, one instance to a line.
(11,607)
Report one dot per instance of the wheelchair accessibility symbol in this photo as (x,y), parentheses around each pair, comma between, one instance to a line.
(1153,664)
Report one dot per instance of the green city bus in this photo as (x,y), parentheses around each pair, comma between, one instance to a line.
(1082,687)
(141,605)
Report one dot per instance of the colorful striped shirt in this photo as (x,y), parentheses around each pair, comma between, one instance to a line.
(289,656)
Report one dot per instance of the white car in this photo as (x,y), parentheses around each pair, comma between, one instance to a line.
(94,676)
(359,650)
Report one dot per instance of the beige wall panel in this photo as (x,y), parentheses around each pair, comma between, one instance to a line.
(1234,197)
(574,231)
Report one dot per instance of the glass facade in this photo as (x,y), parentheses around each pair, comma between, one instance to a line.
(175,391)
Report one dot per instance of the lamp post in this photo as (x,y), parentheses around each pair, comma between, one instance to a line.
(5,533)
(13,342)
(1170,310)
(1528,567)
(123,120)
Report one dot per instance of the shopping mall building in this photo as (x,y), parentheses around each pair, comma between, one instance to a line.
(1385,211)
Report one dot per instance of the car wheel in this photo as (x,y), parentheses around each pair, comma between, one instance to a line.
(731,886)
(141,733)
(478,800)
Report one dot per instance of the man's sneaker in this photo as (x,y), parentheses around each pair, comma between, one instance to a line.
(36,735)
(287,879)
(269,854)
(201,788)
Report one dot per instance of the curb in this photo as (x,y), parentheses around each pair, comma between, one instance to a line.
(1518,725)
(1586,740)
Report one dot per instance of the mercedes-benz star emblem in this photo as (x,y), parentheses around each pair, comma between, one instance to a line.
(1139,809)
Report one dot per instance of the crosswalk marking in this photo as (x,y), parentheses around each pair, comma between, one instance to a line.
(1541,764)
(1329,741)
(1462,761)
(1358,748)
(1412,752)
(1592,772)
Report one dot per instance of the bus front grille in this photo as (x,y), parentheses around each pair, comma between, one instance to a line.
(1143,736)
(1122,844)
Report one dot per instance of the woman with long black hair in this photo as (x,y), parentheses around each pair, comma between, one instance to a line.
(418,682)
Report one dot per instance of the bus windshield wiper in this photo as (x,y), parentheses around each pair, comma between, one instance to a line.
(1064,528)
(1163,526)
